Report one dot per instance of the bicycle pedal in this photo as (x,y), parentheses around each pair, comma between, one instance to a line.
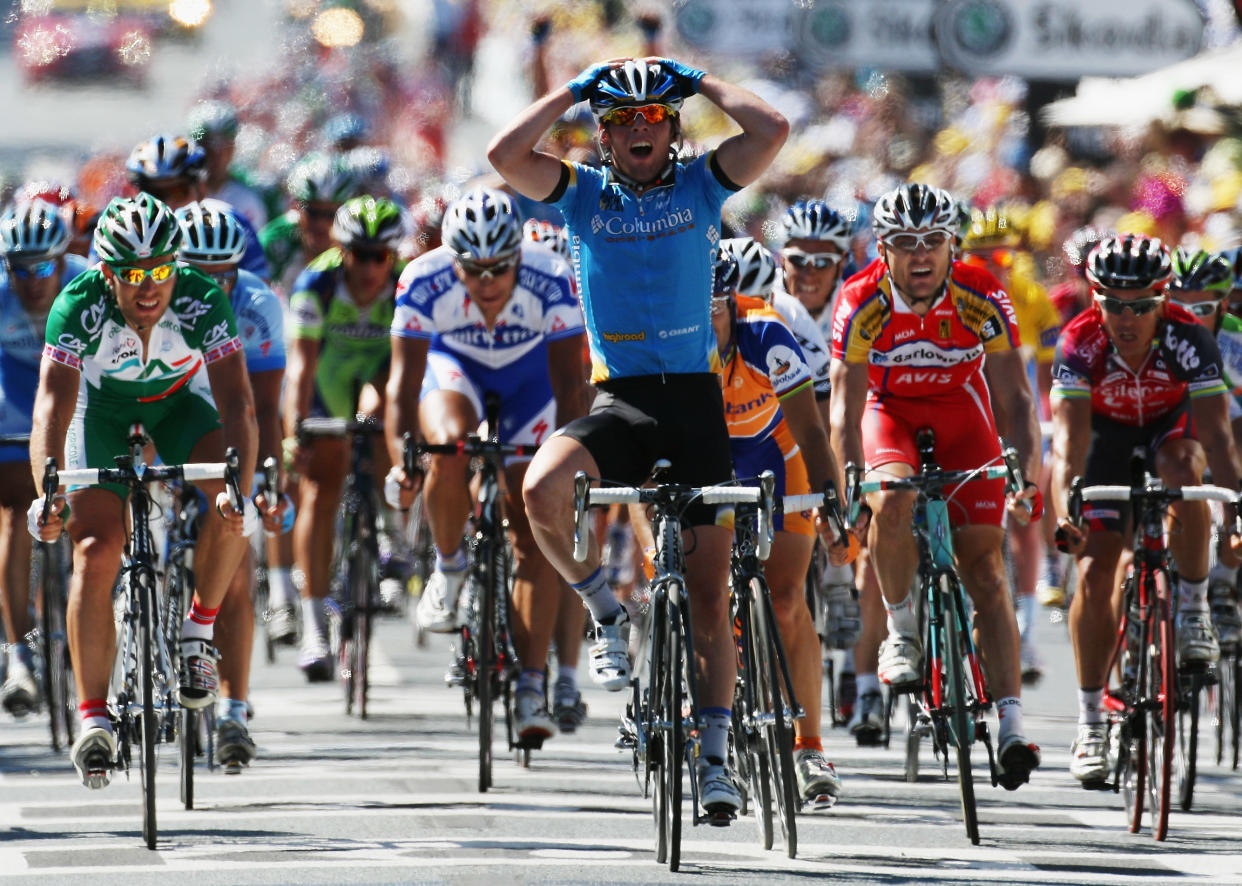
(718,819)
(627,739)
(1101,785)
(233,767)
(530,742)
(819,803)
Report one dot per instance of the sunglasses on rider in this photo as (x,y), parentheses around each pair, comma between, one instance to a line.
(375,256)
(816,260)
(473,268)
(1137,306)
(40,270)
(133,276)
(625,116)
(1199,308)
(930,240)
(318,213)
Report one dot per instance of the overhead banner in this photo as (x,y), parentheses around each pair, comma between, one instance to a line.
(1037,39)
(1064,39)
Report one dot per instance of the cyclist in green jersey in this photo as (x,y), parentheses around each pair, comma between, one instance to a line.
(124,344)
(340,314)
(1201,284)
(317,187)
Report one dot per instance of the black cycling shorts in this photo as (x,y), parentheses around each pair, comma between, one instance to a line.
(639,419)
(1108,459)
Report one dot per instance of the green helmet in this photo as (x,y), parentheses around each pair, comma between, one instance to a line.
(322,178)
(1201,271)
(368,221)
(137,228)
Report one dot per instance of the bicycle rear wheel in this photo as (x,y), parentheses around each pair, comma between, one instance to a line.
(777,730)
(961,718)
(150,734)
(1162,722)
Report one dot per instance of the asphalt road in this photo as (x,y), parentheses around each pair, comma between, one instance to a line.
(393,800)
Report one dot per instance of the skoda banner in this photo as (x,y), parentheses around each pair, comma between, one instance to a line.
(1038,39)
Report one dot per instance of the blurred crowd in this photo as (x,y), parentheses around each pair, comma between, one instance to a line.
(389,107)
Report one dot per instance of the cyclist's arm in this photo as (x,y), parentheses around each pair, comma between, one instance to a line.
(1071,440)
(55,401)
(266,386)
(849,400)
(802,416)
(230,388)
(1011,396)
(565,371)
(512,152)
(300,383)
(405,380)
(1211,421)
(743,158)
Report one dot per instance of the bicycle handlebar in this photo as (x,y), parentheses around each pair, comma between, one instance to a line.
(310,428)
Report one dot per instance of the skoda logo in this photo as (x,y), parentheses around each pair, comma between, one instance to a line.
(981,27)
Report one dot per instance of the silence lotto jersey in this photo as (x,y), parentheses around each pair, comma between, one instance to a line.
(1184,361)
(934,355)
(644,266)
(433,304)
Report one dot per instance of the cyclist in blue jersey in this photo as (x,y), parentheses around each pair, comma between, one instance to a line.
(214,241)
(33,240)
(643,230)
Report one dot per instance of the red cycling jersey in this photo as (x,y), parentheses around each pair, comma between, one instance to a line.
(1184,361)
(934,355)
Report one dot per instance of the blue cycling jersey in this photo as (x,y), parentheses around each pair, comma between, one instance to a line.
(644,266)
(260,323)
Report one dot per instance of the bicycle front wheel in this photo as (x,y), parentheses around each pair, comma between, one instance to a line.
(485,663)
(150,734)
(1185,762)
(363,587)
(961,725)
(674,744)
(777,729)
(58,687)
(752,752)
(653,720)
(1161,722)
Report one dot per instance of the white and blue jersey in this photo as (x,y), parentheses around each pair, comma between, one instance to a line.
(260,323)
(511,358)
(21,351)
(644,266)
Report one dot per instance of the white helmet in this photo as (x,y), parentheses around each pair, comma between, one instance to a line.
(482,225)
(756,266)
(210,233)
(915,207)
(816,220)
(33,231)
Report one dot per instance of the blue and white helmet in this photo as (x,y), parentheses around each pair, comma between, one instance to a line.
(816,220)
(33,230)
(634,84)
(482,225)
(755,264)
(210,234)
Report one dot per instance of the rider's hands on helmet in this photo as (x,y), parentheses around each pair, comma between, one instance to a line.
(688,78)
(583,86)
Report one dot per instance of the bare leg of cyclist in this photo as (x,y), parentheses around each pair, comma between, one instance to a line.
(982,569)
(1182,463)
(892,512)
(536,599)
(786,573)
(568,708)
(234,638)
(1026,544)
(867,719)
(319,492)
(21,692)
(707,577)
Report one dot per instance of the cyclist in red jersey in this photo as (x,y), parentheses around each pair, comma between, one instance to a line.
(1135,372)
(910,338)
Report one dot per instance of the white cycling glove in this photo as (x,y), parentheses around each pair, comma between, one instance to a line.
(393,488)
(251,521)
(33,514)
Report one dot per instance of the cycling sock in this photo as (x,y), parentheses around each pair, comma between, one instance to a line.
(1090,707)
(1026,609)
(199,623)
(279,587)
(231,709)
(20,655)
(530,680)
(455,562)
(1009,710)
(566,680)
(901,617)
(315,614)
(599,598)
(714,732)
(867,683)
(93,714)
(808,744)
(1192,596)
